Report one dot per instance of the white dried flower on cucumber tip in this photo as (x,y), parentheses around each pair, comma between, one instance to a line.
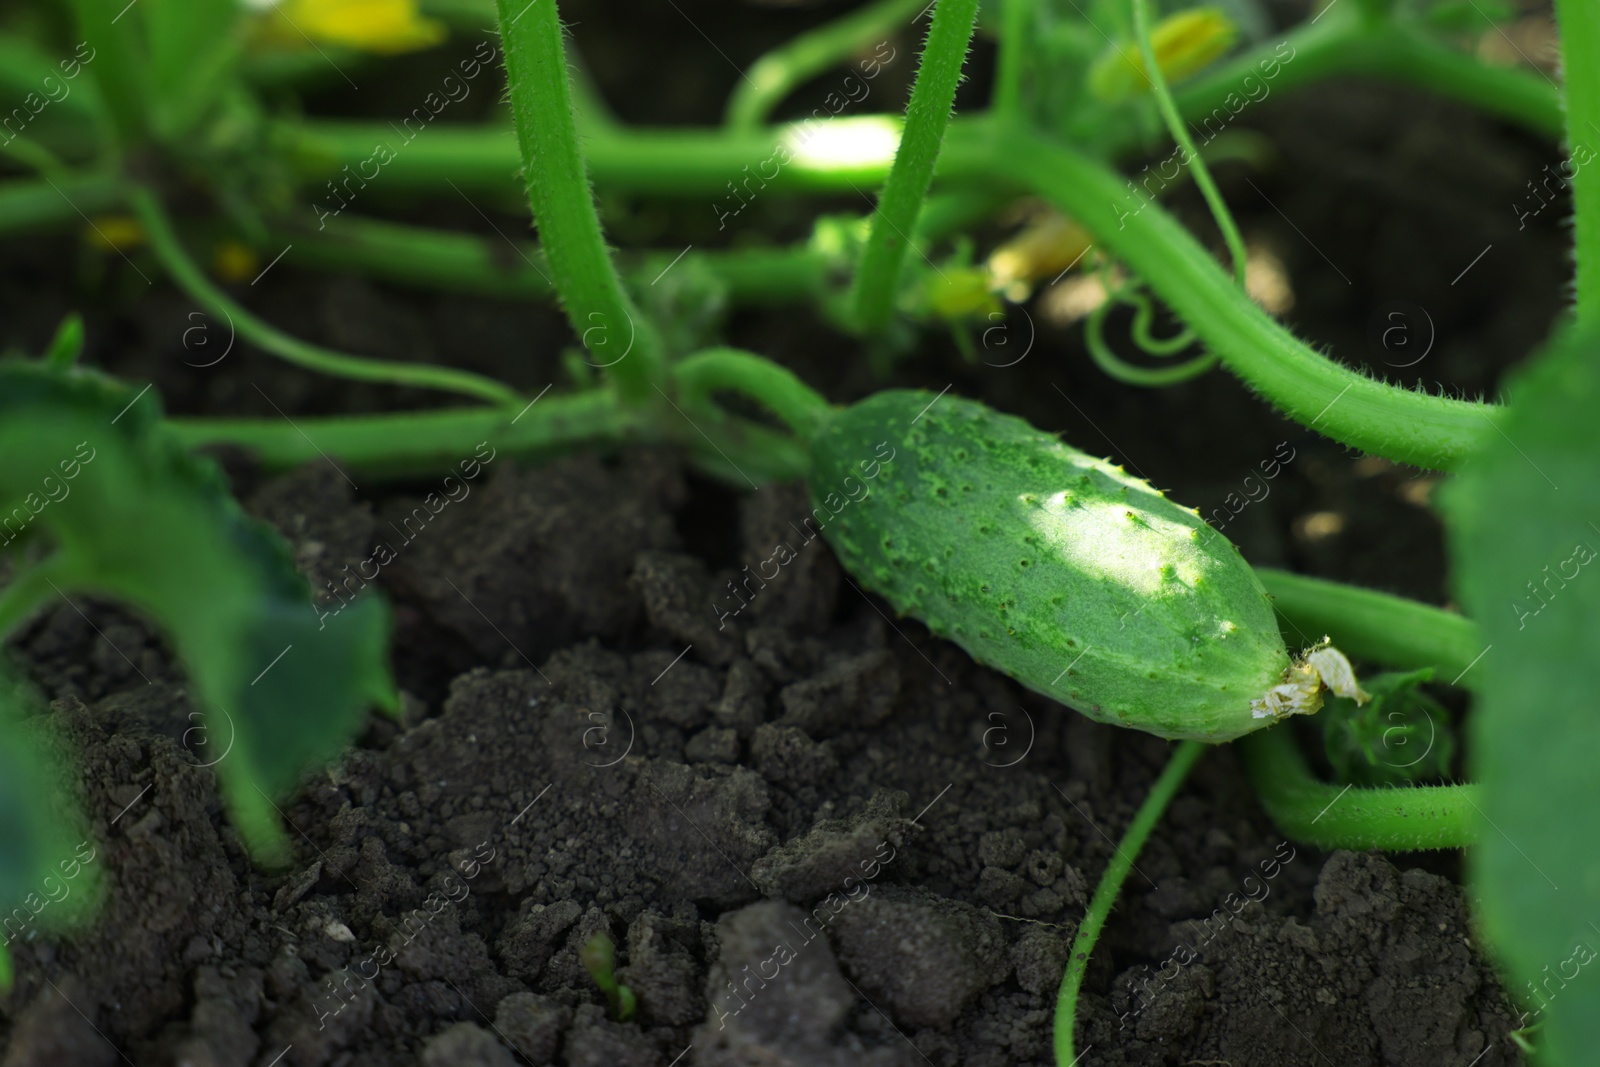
(1300,693)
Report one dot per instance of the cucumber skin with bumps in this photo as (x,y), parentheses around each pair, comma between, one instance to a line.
(1076,579)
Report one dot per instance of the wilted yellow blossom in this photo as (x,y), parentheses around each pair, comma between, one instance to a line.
(115,233)
(1183,43)
(383,26)
(1049,245)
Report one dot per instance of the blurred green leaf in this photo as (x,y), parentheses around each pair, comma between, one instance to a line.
(1523,520)
(48,880)
(67,345)
(134,517)
(26,68)
(194,47)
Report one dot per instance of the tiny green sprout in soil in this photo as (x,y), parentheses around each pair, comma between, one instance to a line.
(599,959)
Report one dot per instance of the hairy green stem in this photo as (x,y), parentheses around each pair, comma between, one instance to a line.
(927,115)
(44,203)
(603,316)
(1579,21)
(1388,630)
(958,209)
(1407,55)
(778,73)
(1155,803)
(700,162)
(417,255)
(740,451)
(1331,816)
(800,407)
(755,275)
(427,442)
(460,262)
(1342,43)
(1180,134)
(1339,401)
(1014,42)
(193,281)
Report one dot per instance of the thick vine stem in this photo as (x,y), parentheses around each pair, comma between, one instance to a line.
(1155,803)
(698,162)
(1579,22)
(610,327)
(1330,816)
(1387,630)
(927,115)
(1344,42)
(1335,400)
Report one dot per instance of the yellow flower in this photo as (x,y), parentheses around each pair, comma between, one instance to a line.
(1049,245)
(115,233)
(387,27)
(234,261)
(1183,43)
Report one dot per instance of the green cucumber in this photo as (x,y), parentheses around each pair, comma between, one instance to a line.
(1059,569)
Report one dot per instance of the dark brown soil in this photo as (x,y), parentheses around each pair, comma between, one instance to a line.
(815,834)
(818,837)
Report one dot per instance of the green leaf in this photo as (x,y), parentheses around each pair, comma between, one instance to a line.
(67,345)
(1401,735)
(119,64)
(134,517)
(194,45)
(1524,538)
(26,68)
(48,881)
